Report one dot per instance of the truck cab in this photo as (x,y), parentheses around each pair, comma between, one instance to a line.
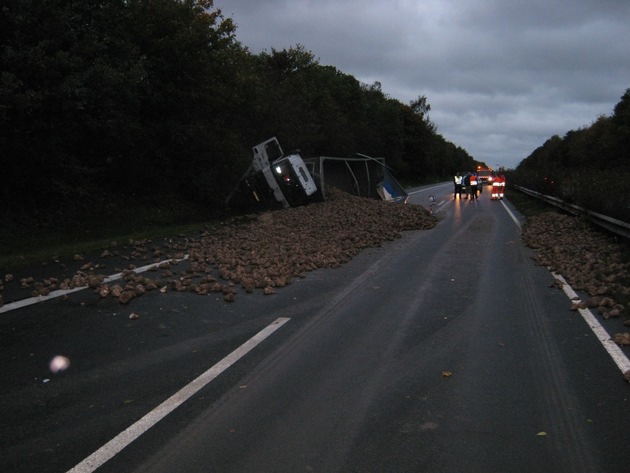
(275,179)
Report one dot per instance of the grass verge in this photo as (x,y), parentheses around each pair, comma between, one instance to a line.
(23,247)
(527,205)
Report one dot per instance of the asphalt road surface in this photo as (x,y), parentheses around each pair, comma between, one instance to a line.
(443,351)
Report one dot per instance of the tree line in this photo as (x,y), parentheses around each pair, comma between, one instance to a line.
(102,101)
(588,166)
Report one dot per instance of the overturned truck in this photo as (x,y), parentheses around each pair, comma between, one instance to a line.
(274,180)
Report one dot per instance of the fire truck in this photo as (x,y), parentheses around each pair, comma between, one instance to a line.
(485,176)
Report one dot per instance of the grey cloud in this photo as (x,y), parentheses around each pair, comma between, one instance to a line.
(501,77)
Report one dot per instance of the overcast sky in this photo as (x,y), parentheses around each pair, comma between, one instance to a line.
(501,76)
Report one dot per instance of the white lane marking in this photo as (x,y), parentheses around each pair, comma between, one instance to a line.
(426,189)
(518,224)
(62,292)
(122,440)
(618,356)
(600,332)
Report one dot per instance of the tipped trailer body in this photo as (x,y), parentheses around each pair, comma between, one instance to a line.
(362,176)
(274,180)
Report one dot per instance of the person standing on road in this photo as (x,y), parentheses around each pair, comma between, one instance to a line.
(458,185)
(496,186)
(466,183)
(501,186)
(473,186)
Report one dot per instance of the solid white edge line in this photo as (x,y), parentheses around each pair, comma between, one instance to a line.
(518,224)
(600,332)
(62,292)
(618,356)
(122,440)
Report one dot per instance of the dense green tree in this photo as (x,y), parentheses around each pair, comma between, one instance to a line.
(104,101)
(112,93)
(421,107)
(621,124)
(579,165)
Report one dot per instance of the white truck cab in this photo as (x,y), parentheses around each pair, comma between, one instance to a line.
(275,177)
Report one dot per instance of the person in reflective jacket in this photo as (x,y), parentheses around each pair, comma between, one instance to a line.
(457,179)
(501,186)
(473,185)
(496,186)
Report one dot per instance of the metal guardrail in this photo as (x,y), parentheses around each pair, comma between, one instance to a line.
(614,225)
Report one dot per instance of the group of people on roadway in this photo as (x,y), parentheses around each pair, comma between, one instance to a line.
(473,186)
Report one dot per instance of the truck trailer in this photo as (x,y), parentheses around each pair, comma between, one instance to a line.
(274,180)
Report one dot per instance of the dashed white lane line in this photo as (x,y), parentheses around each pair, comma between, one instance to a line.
(426,189)
(442,204)
(62,292)
(122,440)
(600,332)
